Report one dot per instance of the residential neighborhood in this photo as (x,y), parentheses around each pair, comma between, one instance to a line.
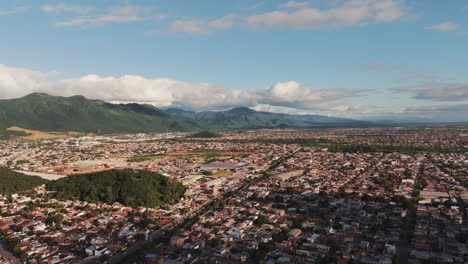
(295,198)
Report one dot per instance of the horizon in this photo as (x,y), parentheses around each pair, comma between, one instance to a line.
(359,59)
(165,109)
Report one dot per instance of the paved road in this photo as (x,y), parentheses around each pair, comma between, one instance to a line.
(7,257)
(404,245)
(155,235)
(116,259)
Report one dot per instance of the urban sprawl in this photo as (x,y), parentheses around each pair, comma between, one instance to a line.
(367,195)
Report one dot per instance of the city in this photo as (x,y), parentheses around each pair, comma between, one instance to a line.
(233,132)
(306,196)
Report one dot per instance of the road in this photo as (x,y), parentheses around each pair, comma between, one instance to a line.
(404,245)
(154,236)
(7,257)
(116,259)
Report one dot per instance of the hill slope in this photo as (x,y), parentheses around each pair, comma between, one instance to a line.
(13,182)
(129,187)
(53,113)
(246,118)
(44,112)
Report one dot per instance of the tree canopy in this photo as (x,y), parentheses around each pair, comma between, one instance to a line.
(13,182)
(129,187)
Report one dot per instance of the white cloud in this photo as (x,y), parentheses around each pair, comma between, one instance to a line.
(439,91)
(200,27)
(443,113)
(167,92)
(444,27)
(438,108)
(284,97)
(16,10)
(159,92)
(294,4)
(113,15)
(59,8)
(293,94)
(351,13)
(337,110)
(162,92)
(15,82)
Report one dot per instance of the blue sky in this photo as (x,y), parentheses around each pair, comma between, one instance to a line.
(366,59)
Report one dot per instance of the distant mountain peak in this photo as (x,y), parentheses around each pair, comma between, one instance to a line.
(40,111)
(242,110)
(79,97)
(36,95)
(179,111)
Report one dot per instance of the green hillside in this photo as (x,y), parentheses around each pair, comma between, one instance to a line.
(129,187)
(48,113)
(205,134)
(13,182)
(53,113)
(246,118)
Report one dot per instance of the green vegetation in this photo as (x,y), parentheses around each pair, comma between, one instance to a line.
(13,182)
(43,112)
(205,134)
(355,148)
(8,134)
(129,187)
(57,114)
(140,158)
(246,118)
(340,147)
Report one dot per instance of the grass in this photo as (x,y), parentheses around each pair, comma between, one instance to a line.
(9,134)
(222,173)
(140,158)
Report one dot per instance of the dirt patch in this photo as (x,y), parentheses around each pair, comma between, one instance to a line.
(36,134)
(237,153)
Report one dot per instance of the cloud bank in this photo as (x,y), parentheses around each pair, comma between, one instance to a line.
(282,97)
(16,10)
(200,27)
(289,15)
(351,13)
(61,8)
(123,14)
(162,92)
(444,27)
(294,4)
(16,82)
(439,91)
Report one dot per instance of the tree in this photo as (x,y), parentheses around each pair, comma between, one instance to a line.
(262,219)
(130,187)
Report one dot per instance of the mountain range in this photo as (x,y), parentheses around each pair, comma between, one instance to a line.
(39,111)
(246,118)
(44,112)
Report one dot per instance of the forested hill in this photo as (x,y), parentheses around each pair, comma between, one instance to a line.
(129,187)
(44,112)
(246,118)
(13,182)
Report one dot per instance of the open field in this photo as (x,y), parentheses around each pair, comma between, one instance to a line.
(46,176)
(37,135)
(187,154)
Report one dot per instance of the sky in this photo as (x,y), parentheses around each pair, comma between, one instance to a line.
(365,59)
